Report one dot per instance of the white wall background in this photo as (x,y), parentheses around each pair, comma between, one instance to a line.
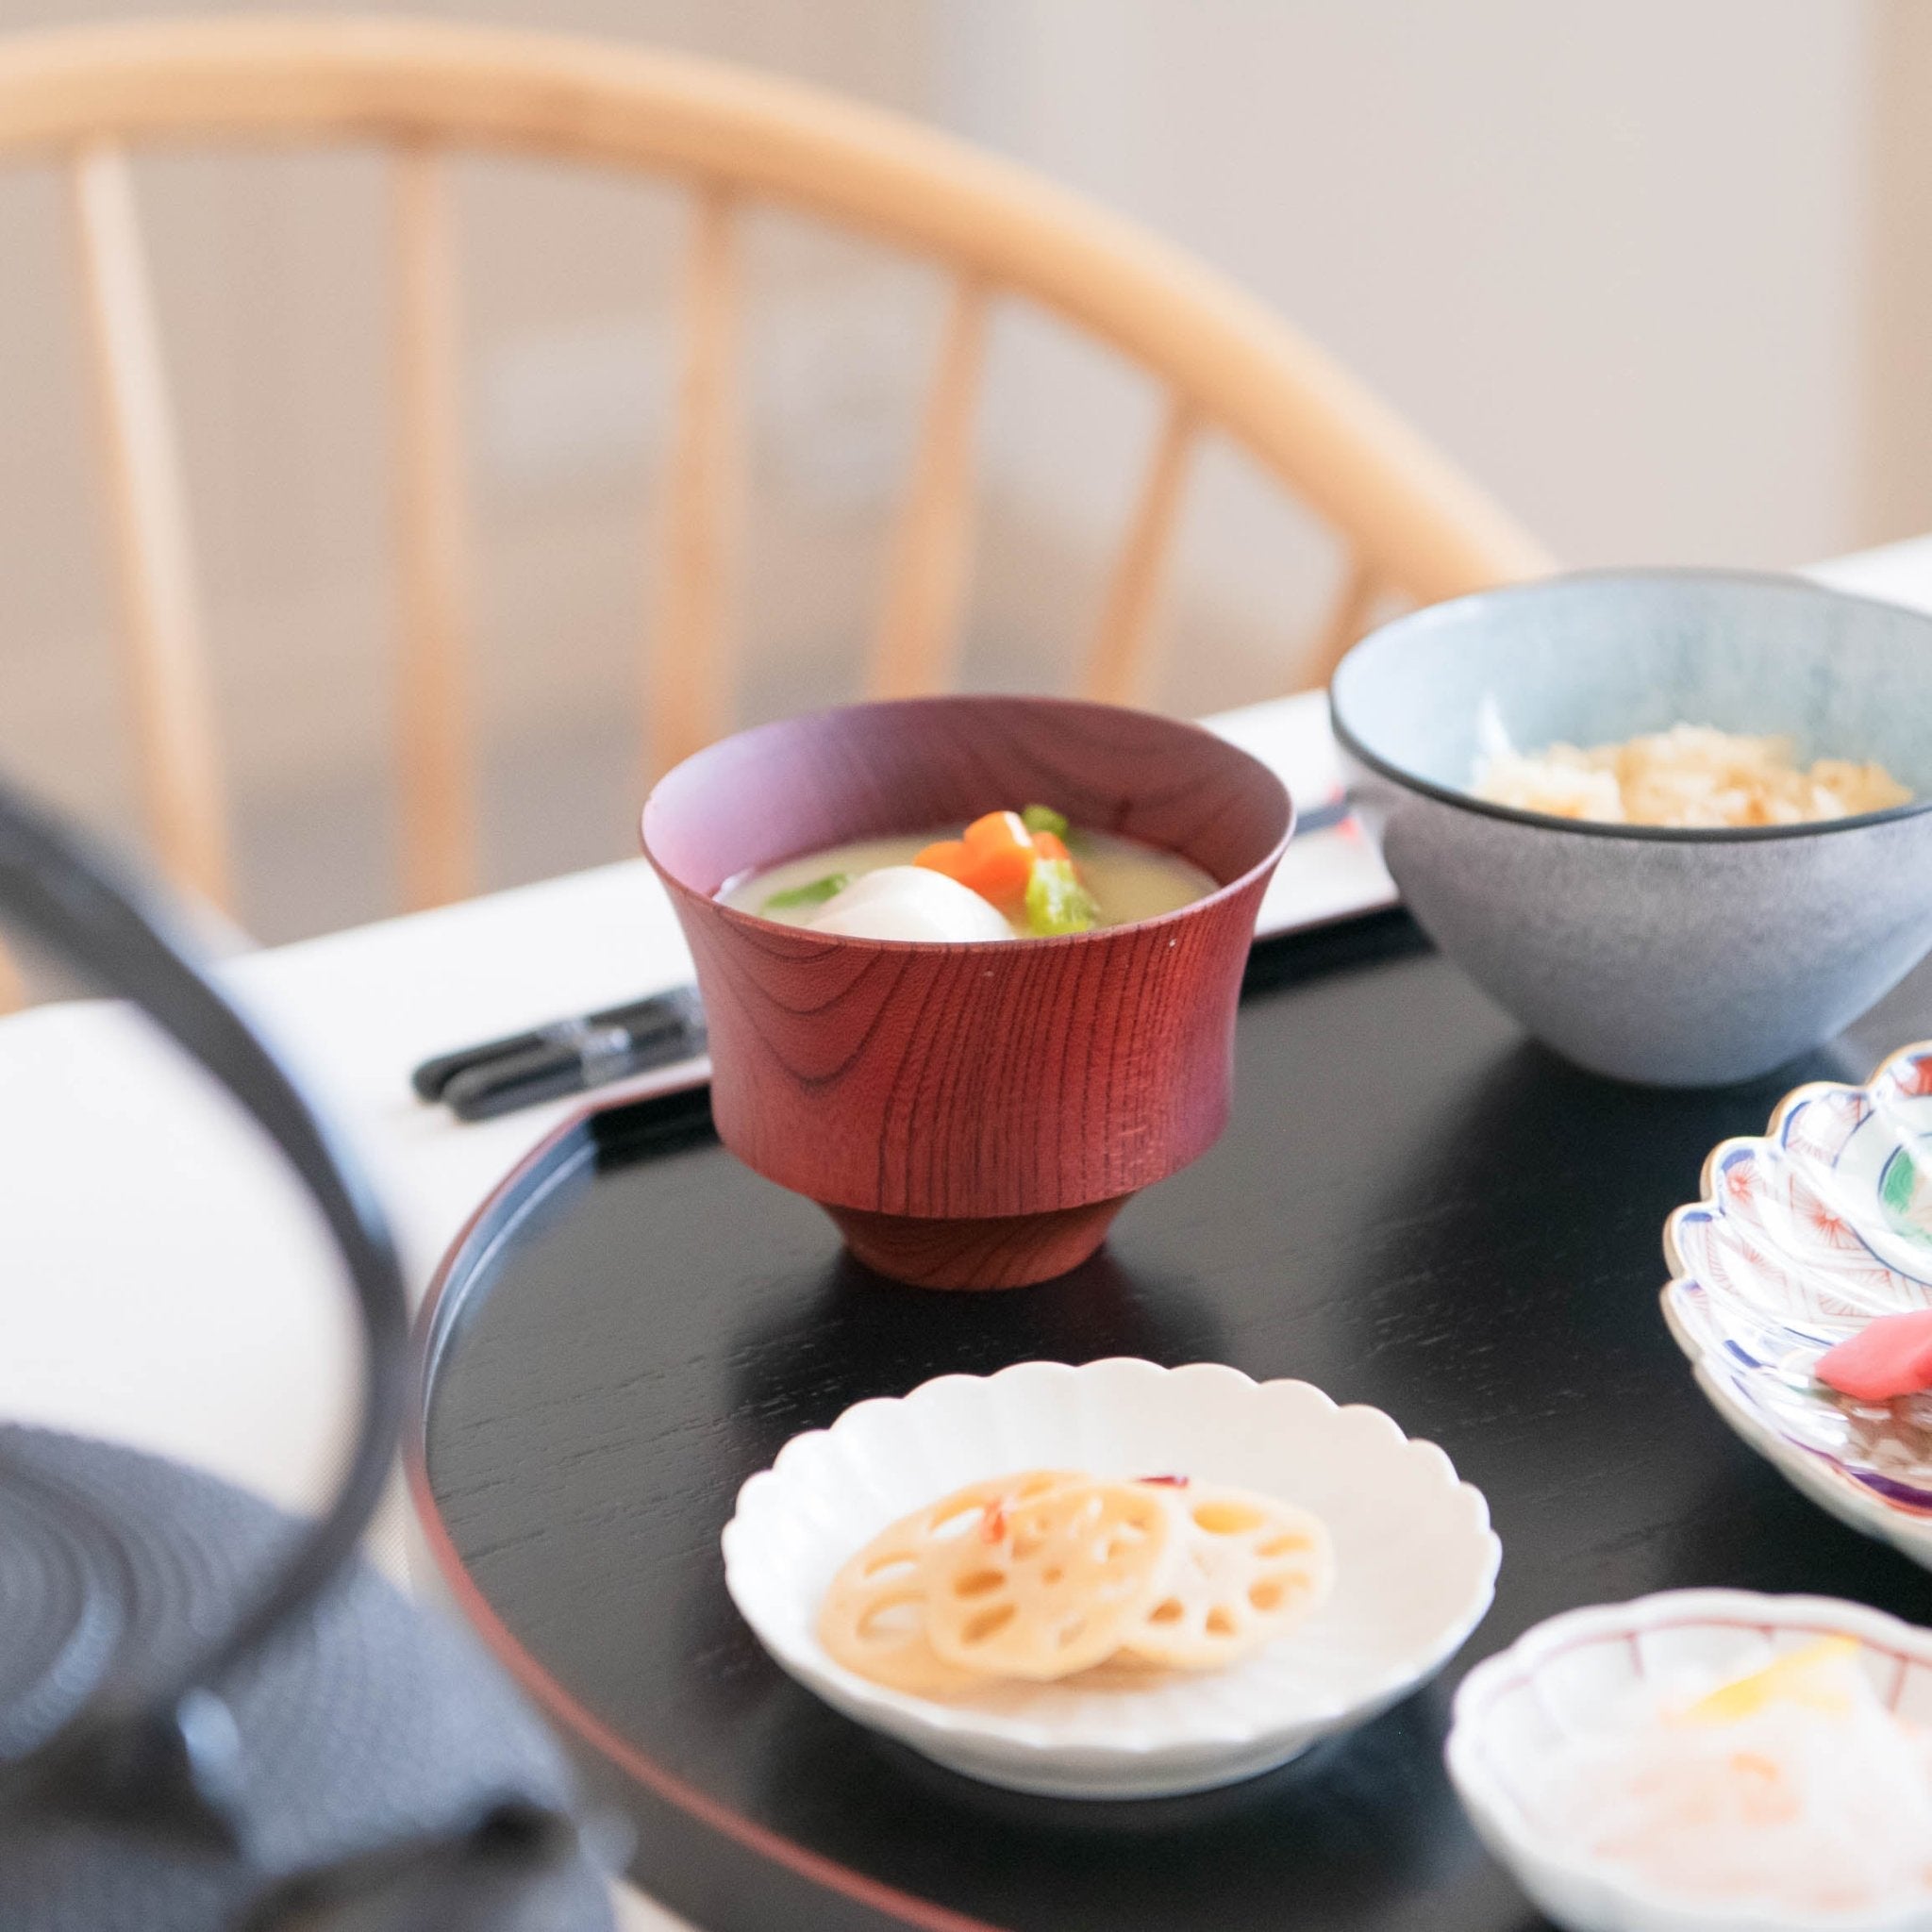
(1608,252)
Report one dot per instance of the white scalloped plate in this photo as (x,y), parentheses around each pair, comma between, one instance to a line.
(1571,1673)
(1415,1565)
(1804,1233)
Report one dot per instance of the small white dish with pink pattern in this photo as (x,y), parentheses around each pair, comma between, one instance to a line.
(1567,1689)
(1805,1233)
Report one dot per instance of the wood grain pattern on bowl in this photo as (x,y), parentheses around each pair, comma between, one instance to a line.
(962,1084)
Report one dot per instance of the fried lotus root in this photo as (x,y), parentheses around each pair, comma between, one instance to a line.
(872,1619)
(1048,1585)
(1246,1569)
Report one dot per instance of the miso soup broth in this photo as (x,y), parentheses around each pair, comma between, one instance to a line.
(1122,880)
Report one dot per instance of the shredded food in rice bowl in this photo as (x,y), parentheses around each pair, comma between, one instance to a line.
(1691,775)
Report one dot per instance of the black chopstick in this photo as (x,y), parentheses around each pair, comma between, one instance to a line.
(569,1056)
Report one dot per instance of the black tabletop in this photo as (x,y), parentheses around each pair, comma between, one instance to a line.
(1414,1206)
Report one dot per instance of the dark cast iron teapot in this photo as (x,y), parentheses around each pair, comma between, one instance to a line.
(212,1715)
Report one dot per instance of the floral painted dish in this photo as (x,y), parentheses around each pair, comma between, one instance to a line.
(1415,1565)
(1573,1678)
(1804,1235)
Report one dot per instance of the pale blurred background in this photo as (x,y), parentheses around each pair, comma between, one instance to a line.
(1656,272)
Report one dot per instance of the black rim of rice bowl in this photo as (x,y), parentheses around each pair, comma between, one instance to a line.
(1441,614)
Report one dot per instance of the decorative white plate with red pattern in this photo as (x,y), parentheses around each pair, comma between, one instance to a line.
(1576,1676)
(1804,1235)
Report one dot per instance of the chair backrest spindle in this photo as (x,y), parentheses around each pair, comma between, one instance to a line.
(1362,587)
(917,645)
(1118,664)
(167,665)
(433,544)
(690,658)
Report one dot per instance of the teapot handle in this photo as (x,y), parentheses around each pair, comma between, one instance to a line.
(166,1756)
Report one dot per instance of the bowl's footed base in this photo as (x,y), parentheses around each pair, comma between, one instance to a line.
(995,1251)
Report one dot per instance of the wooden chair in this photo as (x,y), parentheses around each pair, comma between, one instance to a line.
(83,99)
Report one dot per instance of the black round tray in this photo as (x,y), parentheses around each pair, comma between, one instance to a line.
(1413,1208)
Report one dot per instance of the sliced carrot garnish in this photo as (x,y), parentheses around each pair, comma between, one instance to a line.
(999,850)
(994,858)
(948,856)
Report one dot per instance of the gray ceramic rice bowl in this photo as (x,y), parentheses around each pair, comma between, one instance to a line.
(1675,957)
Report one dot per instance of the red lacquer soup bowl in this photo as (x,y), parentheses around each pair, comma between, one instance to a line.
(971,1116)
